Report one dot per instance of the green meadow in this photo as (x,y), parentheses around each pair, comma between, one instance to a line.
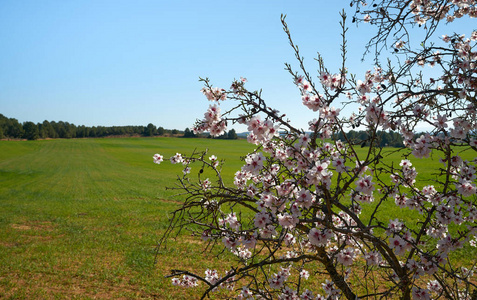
(81,218)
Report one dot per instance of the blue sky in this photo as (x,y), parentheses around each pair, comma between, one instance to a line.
(138,62)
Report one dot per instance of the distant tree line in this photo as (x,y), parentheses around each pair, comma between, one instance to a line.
(384,138)
(10,128)
(230,135)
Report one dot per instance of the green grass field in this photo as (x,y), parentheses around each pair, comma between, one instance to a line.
(81,218)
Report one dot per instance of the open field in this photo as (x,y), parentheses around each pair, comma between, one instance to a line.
(81,218)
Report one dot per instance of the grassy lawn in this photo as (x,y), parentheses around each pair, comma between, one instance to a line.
(81,218)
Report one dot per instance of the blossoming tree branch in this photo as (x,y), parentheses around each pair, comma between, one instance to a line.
(293,216)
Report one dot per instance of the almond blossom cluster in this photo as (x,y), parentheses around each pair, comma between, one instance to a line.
(309,207)
(212,122)
(422,11)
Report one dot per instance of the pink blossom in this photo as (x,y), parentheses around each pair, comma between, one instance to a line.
(338,163)
(304,198)
(319,237)
(373,258)
(466,188)
(458,133)
(330,290)
(286,220)
(232,220)
(307,295)
(245,294)
(186,281)
(365,185)
(212,276)
(313,102)
(262,219)
(230,242)
(400,44)
(158,158)
(299,80)
(398,244)
(268,232)
(206,184)
(304,274)
(395,226)
(176,159)
(346,256)
(441,121)
(254,163)
(242,252)
(186,170)
(420,294)
(434,286)
(364,87)
(278,279)
(214,94)
(305,86)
